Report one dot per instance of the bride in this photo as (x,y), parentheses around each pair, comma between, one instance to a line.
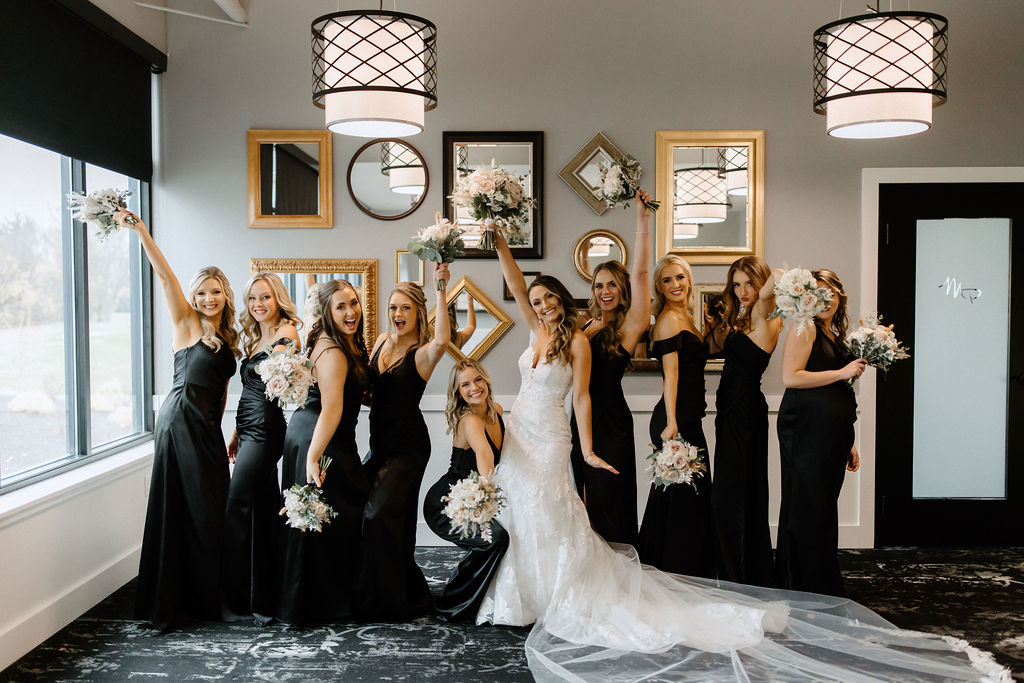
(599,614)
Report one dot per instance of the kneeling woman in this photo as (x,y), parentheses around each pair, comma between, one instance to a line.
(475,421)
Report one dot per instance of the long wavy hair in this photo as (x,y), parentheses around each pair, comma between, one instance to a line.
(419,299)
(453,319)
(663,263)
(358,359)
(758,271)
(560,345)
(457,406)
(226,332)
(609,336)
(286,313)
(840,321)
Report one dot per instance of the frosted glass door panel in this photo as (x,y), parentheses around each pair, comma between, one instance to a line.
(961,346)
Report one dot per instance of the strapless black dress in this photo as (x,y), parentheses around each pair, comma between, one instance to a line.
(179,571)
(465,588)
(739,496)
(676,534)
(815,437)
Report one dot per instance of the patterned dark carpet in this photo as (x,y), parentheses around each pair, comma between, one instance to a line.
(972,594)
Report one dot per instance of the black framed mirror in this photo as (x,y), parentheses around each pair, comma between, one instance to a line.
(387,178)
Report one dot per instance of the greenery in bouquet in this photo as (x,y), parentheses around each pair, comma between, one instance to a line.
(496,197)
(799,298)
(97,209)
(620,181)
(875,343)
(677,462)
(287,374)
(471,504)
(304,506)
(440,243)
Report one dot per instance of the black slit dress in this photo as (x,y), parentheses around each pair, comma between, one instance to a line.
(466,587)
(676,534)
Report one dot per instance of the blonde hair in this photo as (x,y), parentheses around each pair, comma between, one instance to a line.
(663,263)
(286,313)
(758,271)
(226,333)
(419,299)
(457,406)
(560,346)
(610,336)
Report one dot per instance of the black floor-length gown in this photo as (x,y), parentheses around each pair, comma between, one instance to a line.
(390,586)
(252,529)
(676,534)
(610,498)
(179,571)
(319,567)
(815,437)
(465,589)
(739,495)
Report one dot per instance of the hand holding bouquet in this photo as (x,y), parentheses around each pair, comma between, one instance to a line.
(288,376)
(875,343)
(440,243)
(471,504)
(798,297)
(98,208)
(495,196)
(304,506)
(677,462)
(620,182)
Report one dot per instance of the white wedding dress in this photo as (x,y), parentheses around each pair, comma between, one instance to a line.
(599,614)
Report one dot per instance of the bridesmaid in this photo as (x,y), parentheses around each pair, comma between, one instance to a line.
(816,442)
(389,585)
(460,337)
(251,526)
(474,420)
(319,567)
(179,570)
(676,535)
(739,497)
(618,321)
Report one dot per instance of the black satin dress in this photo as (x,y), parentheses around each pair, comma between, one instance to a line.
(466,587)
(179,571)
(319,567)
(610,498)
(739,497)
(815,437)
(252,528)
(676,534)
(390,585)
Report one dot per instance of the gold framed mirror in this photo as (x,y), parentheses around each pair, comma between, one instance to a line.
(290,178)
(711,186)
(408,268)
(300,274)
(597,247)
(473,334)
(583,172)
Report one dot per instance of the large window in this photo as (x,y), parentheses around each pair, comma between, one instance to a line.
(74,380)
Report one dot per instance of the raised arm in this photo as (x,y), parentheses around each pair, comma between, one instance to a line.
(638,318)
(795,374)
(427,356)
(463,335)
(472,429)
(766,296)
(331,370)
(580,348)
(515,281)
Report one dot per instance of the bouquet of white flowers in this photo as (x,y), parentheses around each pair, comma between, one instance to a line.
(875,343)
(440,243)
(288,376)
(471,504)
(304,507)
(97,209)
(798,297)
(677,462)
(620,181)
(495,196)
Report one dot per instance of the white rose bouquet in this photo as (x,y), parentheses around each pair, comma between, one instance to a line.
(798,297)
(304,506)
(496,196)
(288,376)
(471,504)
(440,243)
(97,209)
(620,181)
(875,343)
(677,462)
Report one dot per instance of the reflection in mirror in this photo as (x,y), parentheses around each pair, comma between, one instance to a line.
(583,172)
(387,178)
(290,179)
(408,268)
(477,322)
(301,277)
(597,247)
(514,158)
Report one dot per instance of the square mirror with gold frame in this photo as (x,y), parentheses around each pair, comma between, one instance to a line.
(477,322)
(408,268)
(290,178)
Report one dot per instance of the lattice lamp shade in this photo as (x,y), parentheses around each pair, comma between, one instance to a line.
(403,167)
(732,163)
(700,196)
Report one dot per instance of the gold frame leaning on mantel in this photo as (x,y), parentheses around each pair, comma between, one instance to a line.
(502,319)
(324,218)
(583,268)
(365,267)
(667,141)
(701,293)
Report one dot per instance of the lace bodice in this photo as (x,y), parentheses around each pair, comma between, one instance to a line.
(547,383)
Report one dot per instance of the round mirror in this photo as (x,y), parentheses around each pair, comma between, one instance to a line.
(387,178)
(595,248)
